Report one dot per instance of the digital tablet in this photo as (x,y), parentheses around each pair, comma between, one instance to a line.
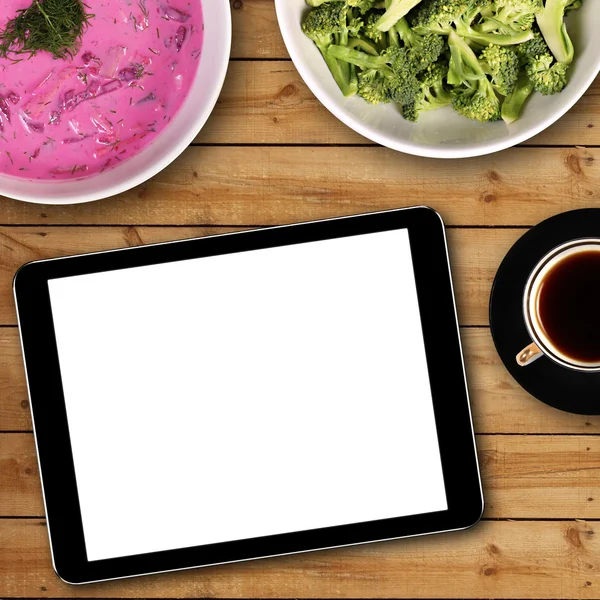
(248,395)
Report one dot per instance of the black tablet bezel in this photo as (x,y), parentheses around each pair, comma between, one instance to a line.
(444,359)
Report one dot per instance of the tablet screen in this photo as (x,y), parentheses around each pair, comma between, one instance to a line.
(247,394)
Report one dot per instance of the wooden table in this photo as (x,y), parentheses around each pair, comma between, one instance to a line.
(271,154)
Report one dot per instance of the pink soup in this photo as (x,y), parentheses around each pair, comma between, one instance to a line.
(78,117)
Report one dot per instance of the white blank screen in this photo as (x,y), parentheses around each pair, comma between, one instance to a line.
(246,395)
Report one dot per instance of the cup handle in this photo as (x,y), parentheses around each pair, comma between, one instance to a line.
(528,355)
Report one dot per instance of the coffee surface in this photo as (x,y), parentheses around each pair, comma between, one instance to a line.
(569,306)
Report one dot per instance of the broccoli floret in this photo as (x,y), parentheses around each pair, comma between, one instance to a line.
(355,26)
(532,49)
(394,12)
(476,101)
(325,25)
(509,15)
(373,86)
(502,65)
(431,94)
(548,76)
(440,16)
(513,104)
(474,96)
(552,25)
(462,17)
(370,29)
(424,49)
(404,82)
(397,65)
(418,54)
(362,5)
(336,18)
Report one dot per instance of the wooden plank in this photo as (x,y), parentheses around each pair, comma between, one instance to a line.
(255,30)
(540,476)
(14,404)
(475,254)
(274,185)
(501,559)
(524,477)
(499,404)
(268,103)
(20,489)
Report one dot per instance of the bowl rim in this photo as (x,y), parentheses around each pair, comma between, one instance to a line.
(407,147)
(145,174)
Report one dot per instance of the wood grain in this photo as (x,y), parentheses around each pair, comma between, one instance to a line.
(255,30)
(20,489)
(501,559)
(499,404)
(516,470)
(268,103)
(273,185)
(14,403)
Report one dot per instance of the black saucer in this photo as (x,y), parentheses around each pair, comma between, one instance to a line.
(557,386)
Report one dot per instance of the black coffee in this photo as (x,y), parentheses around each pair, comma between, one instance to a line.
(569,306)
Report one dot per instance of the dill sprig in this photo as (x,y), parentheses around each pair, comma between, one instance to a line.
(54,26)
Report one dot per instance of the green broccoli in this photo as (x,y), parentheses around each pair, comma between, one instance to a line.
(362,5)
(533,48)
(399,67)
(395,10)
(358,57)
(370,29)
(417,54)
(513,104)
(372,32)
(328,24)
(547,75)
(473,95)
(552,25)
(373,86)
(462,17)
(364,44)
(484,57)
(424,49)
(431,94)
(405,66)
(502,65)
(509,15)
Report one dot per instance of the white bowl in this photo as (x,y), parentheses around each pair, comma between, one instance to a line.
(442,133)
(167,146)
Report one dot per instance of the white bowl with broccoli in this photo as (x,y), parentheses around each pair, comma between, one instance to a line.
(503,71)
